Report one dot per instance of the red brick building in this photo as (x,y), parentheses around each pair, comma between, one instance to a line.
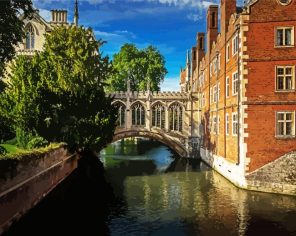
(245,81)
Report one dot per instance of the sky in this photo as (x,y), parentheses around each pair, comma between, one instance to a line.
(169,25)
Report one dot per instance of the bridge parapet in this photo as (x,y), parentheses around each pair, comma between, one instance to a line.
(166,116)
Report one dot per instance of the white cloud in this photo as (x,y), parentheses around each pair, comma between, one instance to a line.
(170,84)
(194,17)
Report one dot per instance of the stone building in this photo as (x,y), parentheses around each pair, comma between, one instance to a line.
(36,28)
(245,81)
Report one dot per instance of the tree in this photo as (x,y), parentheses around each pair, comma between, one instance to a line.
(58,94)
(145,68)
(11,27)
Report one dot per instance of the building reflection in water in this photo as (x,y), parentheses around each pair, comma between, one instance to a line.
(194,198)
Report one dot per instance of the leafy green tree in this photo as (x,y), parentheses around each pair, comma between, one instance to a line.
(11,27)
(145,68)
(59,95)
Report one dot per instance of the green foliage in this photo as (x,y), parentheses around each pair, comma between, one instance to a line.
(31,154)
(145,68)
(37,142)
(58,94)
(11,27)
(11,148)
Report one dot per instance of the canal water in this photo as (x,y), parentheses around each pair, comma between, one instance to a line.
(149,190)
(160,194)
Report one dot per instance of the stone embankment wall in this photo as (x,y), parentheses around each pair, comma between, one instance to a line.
(278,176)
(24,182)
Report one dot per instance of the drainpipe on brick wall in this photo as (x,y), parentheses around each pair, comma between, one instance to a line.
(238,97)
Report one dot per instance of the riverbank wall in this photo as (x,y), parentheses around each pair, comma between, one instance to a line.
(26,181)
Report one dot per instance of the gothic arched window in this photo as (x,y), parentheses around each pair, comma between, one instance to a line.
(176,117)
(121,115)
(30,37)
(158,116)
(138,114)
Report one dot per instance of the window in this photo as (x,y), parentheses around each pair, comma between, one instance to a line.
(138,114)
(215,62)
(228,52)
(235,44)
(234,124)
(285,123)
(214,128)
(284,36)
(176,117)
(227,124)
(158,116)
(30,37)
(215,94)
(235,83)
(203,101)
(121,115)
(227,87)
(285,78)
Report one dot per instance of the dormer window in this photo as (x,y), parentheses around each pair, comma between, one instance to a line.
(30,37)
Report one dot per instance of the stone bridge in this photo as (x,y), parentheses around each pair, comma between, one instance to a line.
(167,117)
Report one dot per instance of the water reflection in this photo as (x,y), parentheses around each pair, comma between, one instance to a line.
(163,195)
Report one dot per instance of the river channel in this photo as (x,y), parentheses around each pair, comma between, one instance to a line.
(154,192)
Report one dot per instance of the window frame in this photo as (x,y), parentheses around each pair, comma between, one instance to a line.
(227,52)
(235,93)
(227,87)
(292,36)
(235,44)
(233,122)
(227,123)
(284,76)
(277,135)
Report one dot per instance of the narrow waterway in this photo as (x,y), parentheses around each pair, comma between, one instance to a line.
(159,194)
(148,190)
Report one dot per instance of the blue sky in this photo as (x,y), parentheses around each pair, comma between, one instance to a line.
(169,25)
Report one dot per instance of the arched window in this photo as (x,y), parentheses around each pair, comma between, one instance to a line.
(138,115)
(121,115)
(176,117)
(158,116)
(30,37)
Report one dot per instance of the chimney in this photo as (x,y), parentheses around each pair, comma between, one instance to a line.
(200,45)
(228,7)
(59,16)
(212,26)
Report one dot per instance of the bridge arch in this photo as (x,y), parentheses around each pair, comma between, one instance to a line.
(175,145)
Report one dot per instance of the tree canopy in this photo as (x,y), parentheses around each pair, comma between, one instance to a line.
(144,67)
(58,94)
(11,27)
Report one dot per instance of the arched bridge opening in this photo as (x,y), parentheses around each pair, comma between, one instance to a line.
(174,144)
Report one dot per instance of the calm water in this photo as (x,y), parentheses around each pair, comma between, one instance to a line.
(157,194)
(149,191)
